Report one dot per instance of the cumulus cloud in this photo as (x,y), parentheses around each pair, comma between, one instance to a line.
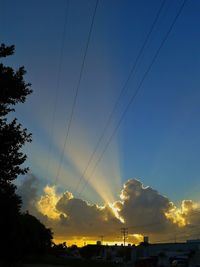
(28,190)
(140,206)
(142,209)
(183,215)
(47,203)
(80,218)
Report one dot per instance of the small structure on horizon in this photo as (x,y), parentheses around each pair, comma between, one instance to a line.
(98,243)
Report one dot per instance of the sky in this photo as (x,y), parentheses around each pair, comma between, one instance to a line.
(158,141)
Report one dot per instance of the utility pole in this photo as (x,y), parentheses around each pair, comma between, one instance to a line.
(124,232)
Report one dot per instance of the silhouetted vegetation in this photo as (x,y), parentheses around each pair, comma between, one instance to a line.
(20,233)
(36,238)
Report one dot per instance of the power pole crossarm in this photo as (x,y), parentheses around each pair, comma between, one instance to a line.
(124,232)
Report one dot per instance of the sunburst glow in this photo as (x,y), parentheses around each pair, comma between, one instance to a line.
(115,211)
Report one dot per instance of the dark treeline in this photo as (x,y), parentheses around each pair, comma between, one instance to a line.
(20,234)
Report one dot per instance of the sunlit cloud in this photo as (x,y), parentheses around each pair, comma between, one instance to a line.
(141,209)
(47,203)
(115,211)
(181,216)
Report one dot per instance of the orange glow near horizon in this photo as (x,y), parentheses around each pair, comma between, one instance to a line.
(133,239)
(83,242)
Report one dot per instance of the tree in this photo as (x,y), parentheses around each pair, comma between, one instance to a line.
(35,237)
(13,90)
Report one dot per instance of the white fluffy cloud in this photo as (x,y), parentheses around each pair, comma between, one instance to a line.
(142,209)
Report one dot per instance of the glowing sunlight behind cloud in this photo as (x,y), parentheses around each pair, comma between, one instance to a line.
(139,208)
(115,211)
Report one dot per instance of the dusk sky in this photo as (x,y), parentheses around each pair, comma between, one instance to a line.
(158,142)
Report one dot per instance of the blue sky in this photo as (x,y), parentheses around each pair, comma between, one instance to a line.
(159,139)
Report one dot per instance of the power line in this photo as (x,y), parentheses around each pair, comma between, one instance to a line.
(137,90)
(181,235)
(57,87)
(140,226)
(122,92)
(76,92)
(185,233)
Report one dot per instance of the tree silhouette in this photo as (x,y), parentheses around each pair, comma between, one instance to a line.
(20,234)
(35,237)
(13,90)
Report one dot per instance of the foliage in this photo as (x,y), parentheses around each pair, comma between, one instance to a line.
(13,90)
(20,233)
(36,238)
